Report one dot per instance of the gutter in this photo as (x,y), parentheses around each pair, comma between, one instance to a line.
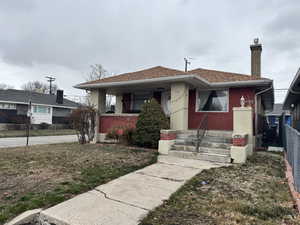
(133,82)
(255,99)
(177,78)
(26,103)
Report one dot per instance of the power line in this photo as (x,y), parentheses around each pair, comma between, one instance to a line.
(50,80)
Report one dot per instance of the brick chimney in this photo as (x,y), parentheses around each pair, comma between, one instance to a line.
(256,49)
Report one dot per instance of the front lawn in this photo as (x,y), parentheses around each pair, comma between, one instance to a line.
(253,193)
(44,132)
(44,175)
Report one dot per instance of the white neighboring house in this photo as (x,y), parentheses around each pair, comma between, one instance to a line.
(41,114)
(45,108)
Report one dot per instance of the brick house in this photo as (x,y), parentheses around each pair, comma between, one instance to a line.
(186,97)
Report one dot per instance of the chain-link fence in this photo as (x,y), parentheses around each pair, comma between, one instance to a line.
(293,153)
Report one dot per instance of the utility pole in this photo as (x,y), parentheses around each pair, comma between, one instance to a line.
(29,114)
(186,63)
(50,80)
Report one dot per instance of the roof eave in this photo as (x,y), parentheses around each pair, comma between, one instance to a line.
(246,83)
(171,79)
(185,78)
(291,95)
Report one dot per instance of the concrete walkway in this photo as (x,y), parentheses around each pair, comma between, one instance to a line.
(128,199)
(21,141)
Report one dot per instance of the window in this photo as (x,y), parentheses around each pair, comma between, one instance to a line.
(138,99)
(212,101)
(41,109)
(8,106)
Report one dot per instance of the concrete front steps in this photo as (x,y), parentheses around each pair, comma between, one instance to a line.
(215,146)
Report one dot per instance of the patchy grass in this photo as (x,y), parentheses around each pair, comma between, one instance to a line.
(253,193)
(44,175)
(46,132)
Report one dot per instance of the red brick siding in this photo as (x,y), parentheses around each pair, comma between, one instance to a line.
(168,136)
(109,122)
(219,120)
(239,141)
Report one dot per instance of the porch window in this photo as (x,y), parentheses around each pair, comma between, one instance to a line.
(212,101)
(138,99)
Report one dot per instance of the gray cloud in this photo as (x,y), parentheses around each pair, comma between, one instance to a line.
(64,37)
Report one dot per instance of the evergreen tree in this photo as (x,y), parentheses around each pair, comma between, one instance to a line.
(150,121)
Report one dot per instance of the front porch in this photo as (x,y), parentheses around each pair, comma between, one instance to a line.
(173,98)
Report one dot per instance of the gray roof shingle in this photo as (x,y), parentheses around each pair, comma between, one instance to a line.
(21,96)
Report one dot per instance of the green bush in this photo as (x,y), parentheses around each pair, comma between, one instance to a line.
(150,121)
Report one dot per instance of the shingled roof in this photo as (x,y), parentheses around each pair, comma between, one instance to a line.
(23,97)
(212,76)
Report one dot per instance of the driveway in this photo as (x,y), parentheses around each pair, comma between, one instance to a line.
(128,199)
(21,141)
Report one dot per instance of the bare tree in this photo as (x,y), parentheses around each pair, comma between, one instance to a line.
(39,87)
(84,122)
(97,72)
(5,86)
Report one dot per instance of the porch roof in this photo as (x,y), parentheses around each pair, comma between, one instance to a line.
(159,74)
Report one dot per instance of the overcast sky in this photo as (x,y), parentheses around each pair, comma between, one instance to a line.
(63,37)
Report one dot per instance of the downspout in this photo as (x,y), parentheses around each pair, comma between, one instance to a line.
(256,113)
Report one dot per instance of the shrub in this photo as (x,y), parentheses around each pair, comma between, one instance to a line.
(44,126)
(114,133)
(122,134)
(84,122)
(150,121)
(127,137)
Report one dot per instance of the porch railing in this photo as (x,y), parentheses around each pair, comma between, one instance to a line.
(201,131)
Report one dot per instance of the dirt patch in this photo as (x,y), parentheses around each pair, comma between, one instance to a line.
(41,176)
(252,193)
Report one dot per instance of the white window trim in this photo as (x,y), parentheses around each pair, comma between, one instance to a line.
(42,113)
(197,101)
(11,106)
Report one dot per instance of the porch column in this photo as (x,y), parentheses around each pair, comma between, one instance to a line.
(179,106)
(98,100)
(119,104)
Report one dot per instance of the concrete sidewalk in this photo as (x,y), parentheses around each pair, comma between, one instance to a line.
(21,141)
(128,199)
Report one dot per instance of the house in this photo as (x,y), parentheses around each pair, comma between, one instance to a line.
(186,97)
(45,108)
(292,101)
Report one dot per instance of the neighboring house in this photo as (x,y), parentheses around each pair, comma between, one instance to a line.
(45,108)
(274,116)
(292,101)
(185,96)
